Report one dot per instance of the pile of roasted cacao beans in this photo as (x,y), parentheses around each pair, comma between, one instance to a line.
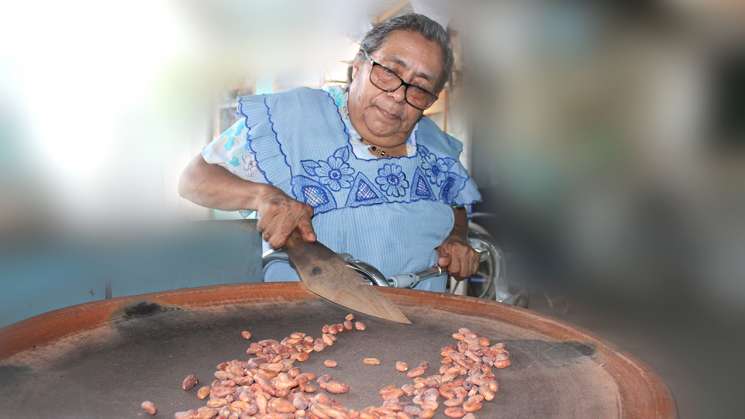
(269,385)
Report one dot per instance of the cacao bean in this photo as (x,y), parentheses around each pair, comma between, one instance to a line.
(149,407)
(189,382)
(454,412)
(335,387)
(402,366)
(203,392)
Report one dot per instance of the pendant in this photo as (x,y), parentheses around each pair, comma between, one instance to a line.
(375,150)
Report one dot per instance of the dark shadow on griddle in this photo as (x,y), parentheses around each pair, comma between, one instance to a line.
(142,309)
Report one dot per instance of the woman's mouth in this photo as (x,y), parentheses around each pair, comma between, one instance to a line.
(387,114)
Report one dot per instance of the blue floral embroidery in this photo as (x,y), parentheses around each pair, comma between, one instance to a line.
(334,172)
(392,180)
(436,168)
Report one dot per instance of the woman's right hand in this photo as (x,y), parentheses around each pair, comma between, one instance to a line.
(280,215)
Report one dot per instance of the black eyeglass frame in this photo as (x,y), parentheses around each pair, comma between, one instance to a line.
(406,85)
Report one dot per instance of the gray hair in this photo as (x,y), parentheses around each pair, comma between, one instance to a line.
(412,22)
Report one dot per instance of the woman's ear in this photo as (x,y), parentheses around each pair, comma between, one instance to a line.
(355,70)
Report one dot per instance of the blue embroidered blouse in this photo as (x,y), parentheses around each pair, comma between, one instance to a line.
(389,212)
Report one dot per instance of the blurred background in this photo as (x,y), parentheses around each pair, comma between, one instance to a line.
(607,139)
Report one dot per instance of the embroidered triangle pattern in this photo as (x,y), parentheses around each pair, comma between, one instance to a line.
(313,194)
(421,189)
(364,192)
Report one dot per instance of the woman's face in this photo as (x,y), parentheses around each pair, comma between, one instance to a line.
(385,118)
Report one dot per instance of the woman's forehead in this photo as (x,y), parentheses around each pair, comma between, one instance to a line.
(412,51)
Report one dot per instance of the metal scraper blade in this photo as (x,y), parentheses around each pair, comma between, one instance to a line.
(326,274)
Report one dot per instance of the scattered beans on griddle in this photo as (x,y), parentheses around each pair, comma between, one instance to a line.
(189,382)
(401,366)
(454,412)
(335,387)
(269,385)
(203,392)
(418,371)
(149,407)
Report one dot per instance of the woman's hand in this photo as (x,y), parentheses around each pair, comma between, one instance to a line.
(280,215)
(458,258)
(454,254)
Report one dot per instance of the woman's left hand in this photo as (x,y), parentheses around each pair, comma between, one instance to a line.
(458,258)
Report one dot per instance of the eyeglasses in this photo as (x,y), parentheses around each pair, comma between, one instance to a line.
(387,80)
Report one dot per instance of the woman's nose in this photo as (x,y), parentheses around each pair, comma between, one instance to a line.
(399,94)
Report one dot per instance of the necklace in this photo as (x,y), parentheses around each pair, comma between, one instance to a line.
(375,150)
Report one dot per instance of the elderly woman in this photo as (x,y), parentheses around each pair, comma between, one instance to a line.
(360,170)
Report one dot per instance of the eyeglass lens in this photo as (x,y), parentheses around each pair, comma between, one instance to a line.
(387,80)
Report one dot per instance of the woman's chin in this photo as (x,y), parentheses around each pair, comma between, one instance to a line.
(381,129)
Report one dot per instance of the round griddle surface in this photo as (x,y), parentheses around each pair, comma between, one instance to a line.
(145,351)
